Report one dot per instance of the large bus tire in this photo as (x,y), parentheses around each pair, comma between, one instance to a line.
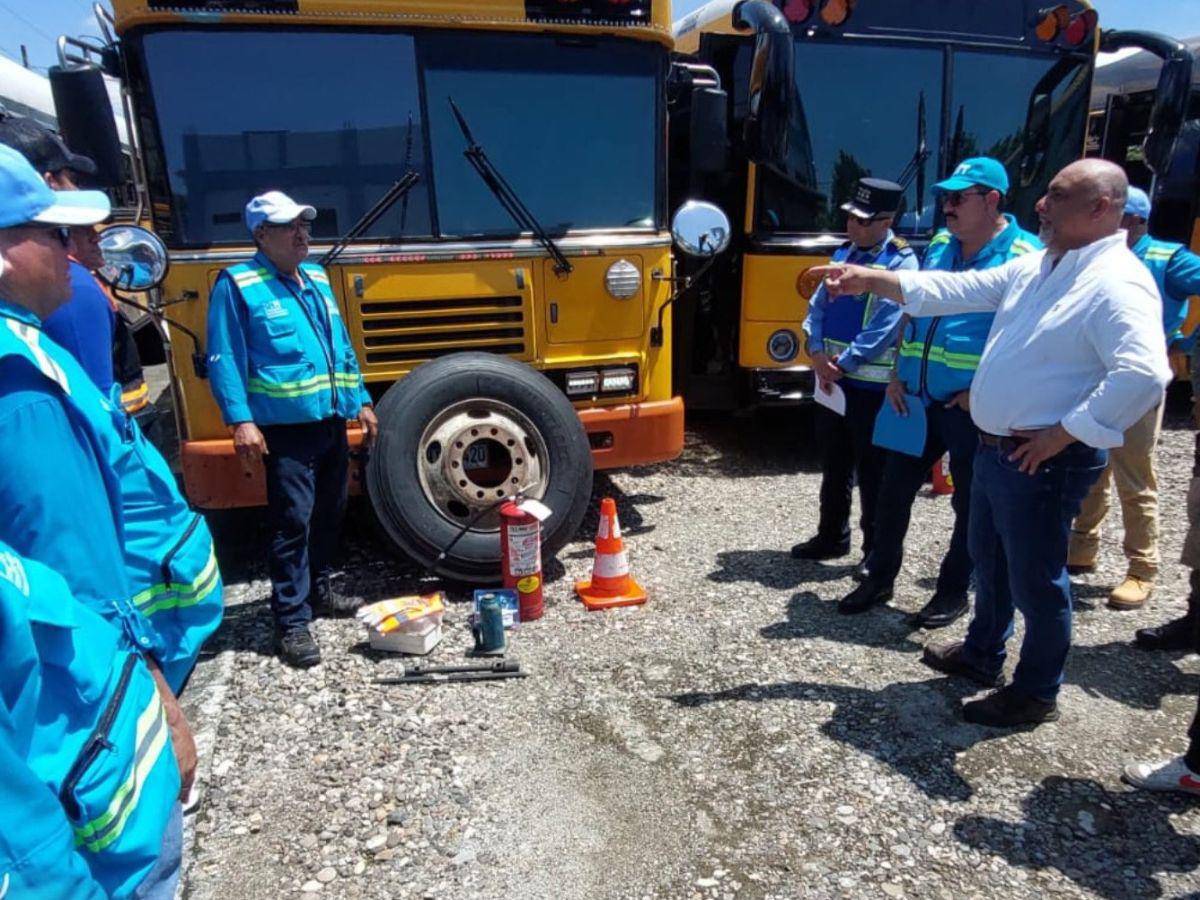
(459,434)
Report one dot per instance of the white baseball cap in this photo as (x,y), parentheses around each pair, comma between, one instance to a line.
(277,208)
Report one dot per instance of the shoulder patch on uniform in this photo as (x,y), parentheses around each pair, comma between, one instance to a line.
(899,243)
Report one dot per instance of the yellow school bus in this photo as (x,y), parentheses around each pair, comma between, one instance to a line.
(540,340)
(822,92)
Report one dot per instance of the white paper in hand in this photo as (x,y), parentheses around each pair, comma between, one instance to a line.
(835,399)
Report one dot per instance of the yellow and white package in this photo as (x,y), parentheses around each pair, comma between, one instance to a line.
(411,624)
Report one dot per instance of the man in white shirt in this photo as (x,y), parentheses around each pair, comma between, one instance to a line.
(1074,357)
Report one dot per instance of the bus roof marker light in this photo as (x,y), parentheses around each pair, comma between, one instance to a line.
(1051,21)
(836,12)
(797,11)
(1081,26)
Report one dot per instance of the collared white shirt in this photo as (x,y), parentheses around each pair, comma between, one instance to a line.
(1078,343)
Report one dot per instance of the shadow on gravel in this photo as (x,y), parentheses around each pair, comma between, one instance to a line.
(769,442)
(1137,678)
(808,616)
(1112,843)
(773,569)
(913,727)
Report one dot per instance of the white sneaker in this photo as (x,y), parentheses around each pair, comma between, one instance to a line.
(1171,775)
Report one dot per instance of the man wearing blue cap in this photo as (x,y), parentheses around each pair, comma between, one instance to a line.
(284,373)
(1176,272)
(84,494)
(938,359)
(850,340)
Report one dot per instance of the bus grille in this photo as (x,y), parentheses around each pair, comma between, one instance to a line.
(412,331)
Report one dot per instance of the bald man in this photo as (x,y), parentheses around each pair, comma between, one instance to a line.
(1074,357)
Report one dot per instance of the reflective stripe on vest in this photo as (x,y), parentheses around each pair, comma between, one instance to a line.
(878,370)
(173,595)
(151,738)
(937,353)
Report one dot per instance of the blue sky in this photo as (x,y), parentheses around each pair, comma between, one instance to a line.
(36,23)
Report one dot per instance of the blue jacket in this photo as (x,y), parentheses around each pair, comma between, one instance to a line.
(1176,271)
(939,354)
(858,331)
(90,779)
(85,493)
(279,353)
(83,326)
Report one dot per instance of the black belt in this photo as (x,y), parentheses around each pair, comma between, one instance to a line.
(1003,441)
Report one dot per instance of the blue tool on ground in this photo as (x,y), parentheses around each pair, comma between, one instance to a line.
(488,627)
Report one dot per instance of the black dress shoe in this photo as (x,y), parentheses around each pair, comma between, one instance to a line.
(941,611)
(949,658)
(1081,569)
(327,601)
(1178,634)
(869,593)
(820,548)
(298,649)
(1009,708)
(862,572)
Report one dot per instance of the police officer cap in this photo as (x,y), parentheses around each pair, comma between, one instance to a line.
(1138,204)
(874,197)
(43,148)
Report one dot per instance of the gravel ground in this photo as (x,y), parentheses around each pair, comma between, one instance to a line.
(735,737)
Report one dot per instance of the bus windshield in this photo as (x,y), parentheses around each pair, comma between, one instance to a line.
(573,125)
(854,117)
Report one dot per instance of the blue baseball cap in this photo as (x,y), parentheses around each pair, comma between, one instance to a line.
(978,171)
(277,208)
(25,197)
(1138,204)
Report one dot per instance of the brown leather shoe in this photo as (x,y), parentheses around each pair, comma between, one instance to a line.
(1132,593)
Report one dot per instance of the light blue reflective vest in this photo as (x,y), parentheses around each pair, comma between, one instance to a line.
(847,315)
(1157,255)
(292,363)
(89,770)
(175,584)
(939,354)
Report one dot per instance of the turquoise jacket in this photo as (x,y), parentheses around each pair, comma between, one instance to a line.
(279,353)
(90,779)
(939,354)
(856,331)
(85,493)
(1176,271)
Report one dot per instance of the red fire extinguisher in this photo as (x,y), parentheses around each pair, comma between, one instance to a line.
(521,558)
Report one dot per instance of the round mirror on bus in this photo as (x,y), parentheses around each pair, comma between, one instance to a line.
(700,229)
(134,259)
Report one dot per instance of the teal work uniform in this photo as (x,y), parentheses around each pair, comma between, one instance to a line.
(85,493)
(90,779)
(279,352)
(857,331)
(939,354)
(1176,271)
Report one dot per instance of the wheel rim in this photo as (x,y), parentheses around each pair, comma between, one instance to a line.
(475,452)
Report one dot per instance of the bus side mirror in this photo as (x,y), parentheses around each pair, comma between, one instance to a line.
(1168,113)
(709,149)
(134,259)
(772,82)
(700,229)
(85,120)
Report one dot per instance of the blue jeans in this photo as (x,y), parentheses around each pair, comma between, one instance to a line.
(1018,536)
(162,880)
(308,468)
(948,430)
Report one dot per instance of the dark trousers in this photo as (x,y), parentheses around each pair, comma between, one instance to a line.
(307,473)
(1018,535)
(847,455)
(949,430)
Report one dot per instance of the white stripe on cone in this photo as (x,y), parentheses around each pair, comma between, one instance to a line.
(611,565)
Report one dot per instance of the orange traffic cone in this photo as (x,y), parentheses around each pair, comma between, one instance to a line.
(942,482)
(611,584)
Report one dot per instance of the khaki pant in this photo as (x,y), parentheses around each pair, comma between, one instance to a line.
(1131,466)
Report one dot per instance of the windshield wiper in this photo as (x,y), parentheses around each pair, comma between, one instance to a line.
(506,196)
(916,165)
(371,216)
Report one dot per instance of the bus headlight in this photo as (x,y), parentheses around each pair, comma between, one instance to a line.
(783,345)
(584,382)
(618,380)
(623,279)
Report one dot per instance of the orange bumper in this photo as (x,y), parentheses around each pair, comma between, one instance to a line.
(213,477)
(635,434)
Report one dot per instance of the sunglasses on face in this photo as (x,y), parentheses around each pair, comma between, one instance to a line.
(62,232)
(298,225)
(864,221)
(957,198)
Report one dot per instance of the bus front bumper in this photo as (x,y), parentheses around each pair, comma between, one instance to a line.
(634,434)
